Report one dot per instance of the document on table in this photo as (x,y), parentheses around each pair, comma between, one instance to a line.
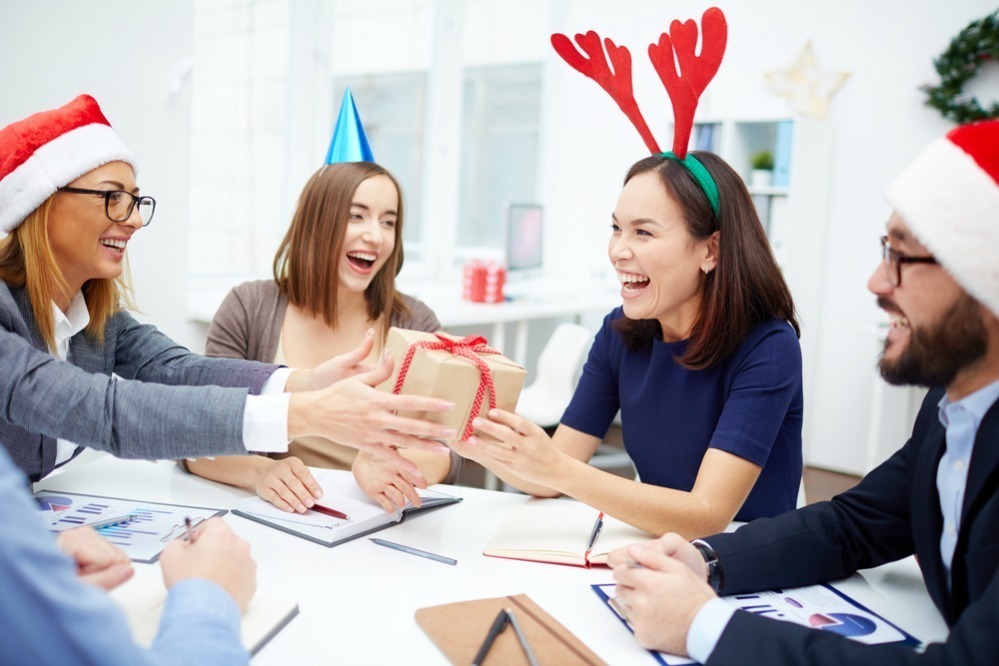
(147,527)
(342,494)
(821,607)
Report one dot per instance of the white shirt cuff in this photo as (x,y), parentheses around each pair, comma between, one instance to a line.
(707,627)
(265,422)
(276,382)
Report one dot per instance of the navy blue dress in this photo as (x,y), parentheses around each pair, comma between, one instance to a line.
(749,405)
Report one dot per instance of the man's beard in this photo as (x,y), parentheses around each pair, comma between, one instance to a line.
(936,353)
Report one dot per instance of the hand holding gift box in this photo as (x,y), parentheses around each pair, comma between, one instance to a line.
(464,371)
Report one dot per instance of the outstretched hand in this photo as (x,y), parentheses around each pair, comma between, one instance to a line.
(335,369)
(521,446)
(354,413)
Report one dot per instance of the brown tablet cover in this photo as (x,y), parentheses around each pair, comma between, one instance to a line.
(459,629)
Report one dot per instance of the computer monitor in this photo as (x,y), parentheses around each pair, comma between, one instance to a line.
(524,259)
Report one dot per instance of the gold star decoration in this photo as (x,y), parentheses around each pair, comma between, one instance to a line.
(807,87)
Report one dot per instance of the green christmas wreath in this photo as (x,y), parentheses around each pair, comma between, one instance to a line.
(976,44)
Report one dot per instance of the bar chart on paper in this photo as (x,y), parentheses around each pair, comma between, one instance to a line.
(141,529)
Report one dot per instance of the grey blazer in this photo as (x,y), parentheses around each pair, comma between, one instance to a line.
(169,402)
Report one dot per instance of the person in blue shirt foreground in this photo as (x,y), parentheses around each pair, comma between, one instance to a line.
(702,360)
(53,610)
(936,497)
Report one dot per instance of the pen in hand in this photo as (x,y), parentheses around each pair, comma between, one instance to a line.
(191,536)
(597,526)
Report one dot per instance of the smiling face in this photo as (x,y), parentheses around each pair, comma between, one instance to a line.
(85,243)
(657,260)
(936,329)
(370,236)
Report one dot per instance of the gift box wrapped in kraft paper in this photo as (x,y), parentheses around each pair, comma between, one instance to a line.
(464,371)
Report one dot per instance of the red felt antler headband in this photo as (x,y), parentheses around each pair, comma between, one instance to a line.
(684,73)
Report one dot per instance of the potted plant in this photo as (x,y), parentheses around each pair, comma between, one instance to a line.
(763,168)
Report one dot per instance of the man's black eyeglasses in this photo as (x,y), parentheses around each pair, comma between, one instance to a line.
(893,262)
(119,204)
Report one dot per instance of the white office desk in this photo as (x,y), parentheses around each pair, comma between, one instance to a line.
(357,599)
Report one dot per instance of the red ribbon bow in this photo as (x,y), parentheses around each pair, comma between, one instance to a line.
(468,347)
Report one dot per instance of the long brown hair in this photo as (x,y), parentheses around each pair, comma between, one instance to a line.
(26,260)
(745,289)
(307,261)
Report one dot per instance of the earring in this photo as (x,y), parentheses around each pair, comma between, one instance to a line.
(705,269)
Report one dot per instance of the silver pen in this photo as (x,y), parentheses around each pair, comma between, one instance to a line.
(108,522)
(531,659)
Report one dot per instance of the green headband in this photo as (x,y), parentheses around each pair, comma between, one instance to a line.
(700,174)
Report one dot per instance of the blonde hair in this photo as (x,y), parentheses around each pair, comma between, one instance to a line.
(26,260)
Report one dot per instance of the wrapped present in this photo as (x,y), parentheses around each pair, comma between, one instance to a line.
(482,281)
(464,371)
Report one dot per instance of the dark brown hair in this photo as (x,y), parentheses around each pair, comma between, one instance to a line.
(745,289)
(307,261)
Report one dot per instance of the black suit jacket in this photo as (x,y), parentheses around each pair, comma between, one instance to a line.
(894,512)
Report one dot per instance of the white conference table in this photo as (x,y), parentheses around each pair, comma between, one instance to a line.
(357,599)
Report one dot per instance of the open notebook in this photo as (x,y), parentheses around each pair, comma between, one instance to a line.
(558,531)
(143,596)
(342,493)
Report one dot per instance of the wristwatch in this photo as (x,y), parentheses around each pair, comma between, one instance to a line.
(715,576)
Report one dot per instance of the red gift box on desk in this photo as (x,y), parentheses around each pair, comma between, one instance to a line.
(464,371)
(482,282)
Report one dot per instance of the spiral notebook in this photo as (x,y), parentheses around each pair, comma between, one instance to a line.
(340,492)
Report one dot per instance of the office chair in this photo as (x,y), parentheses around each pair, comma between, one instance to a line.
(558,369)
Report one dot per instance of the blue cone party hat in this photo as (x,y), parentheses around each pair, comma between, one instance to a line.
(349,143)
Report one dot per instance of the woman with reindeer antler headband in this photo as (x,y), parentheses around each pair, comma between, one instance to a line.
(702,358)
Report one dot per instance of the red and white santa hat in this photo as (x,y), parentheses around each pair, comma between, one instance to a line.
(949,197)
(49,150)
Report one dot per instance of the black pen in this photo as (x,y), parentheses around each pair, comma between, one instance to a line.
(531,659)
(597,526)
(190,532)
(499,624)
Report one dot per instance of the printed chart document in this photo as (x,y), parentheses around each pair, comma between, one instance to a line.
(341,493)
(822,607)
(142,599)
(559,531)
(144,531)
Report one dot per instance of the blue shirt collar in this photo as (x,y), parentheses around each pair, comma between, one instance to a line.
(978,403)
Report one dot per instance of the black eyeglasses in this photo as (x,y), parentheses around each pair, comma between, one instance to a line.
(119,204)
(893,262)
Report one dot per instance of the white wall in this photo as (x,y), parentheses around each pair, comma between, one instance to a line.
(131,57)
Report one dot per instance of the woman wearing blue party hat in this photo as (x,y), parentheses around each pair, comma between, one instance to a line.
(334,282)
